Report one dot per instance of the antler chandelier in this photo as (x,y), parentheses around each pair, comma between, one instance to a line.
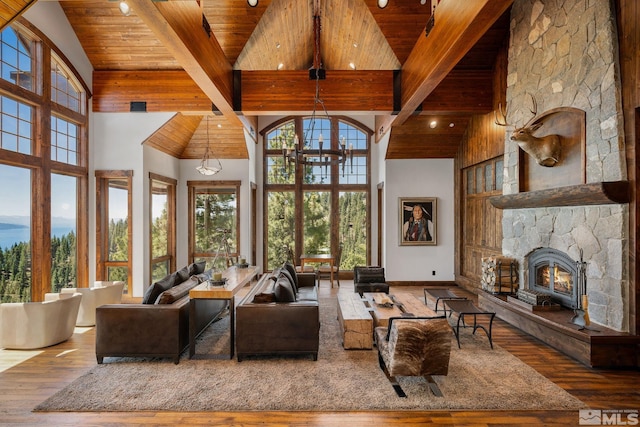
(303,154)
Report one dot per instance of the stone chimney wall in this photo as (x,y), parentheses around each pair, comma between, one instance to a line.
(565,53)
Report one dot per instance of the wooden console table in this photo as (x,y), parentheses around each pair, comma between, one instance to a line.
(237,278)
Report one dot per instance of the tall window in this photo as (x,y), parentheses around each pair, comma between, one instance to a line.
(316,209)
(114,227)
(64,194)
(43,167)
(15,234)
(214,222)
(163,225)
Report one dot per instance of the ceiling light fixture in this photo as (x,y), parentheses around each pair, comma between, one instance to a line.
(303,153)
(252,3)
(433,124)
(204,167)
(124,7)
(383,3)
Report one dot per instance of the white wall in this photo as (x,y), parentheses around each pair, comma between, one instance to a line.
(116,144)
(49,18)
(419,178)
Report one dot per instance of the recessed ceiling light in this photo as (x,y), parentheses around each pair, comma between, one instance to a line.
(352,65)
(125,8)
(451,124)
(433,124)
(277,45)
(355,44)
(280,66)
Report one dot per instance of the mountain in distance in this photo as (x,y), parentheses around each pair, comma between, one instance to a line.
(7,226)
(8,222)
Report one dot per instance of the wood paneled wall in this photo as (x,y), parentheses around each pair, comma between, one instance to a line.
(629,38)
(479,225)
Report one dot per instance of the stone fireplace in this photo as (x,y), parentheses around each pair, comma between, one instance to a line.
(569,63)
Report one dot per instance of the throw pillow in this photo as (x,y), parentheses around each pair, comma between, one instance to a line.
(182,275)
(177,292)
(283,290)
(292,272)
(153,292)
(196,268)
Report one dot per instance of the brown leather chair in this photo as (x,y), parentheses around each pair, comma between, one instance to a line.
(414,346)
(369,279)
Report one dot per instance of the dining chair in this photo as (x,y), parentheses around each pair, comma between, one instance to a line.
(324,271)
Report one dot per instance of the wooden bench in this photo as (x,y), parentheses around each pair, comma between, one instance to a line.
(355,321)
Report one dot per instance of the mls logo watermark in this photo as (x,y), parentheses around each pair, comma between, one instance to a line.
(609,417)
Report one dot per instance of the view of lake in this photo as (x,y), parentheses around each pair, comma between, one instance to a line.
(10,236)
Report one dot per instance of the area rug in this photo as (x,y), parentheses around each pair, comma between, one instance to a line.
(340,380)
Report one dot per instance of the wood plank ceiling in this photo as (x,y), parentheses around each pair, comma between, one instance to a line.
(158,39)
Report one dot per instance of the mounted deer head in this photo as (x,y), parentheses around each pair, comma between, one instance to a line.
(545,150)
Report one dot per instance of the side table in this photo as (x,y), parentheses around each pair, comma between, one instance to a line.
(464,307)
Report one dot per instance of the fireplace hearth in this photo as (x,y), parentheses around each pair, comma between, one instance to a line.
(552,272)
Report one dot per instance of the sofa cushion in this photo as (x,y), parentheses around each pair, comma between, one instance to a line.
(369,275)
(307,293)
(197,268)
(283,290)
(153,292)
(294,285)
(177,292)
(292,272)
(267,293)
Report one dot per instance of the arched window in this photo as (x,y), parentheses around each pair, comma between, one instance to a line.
(43,167)
(311,207)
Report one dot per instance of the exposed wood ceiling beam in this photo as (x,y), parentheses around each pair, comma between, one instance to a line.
(178,26)
(459,24)
(263,92)
(349,92)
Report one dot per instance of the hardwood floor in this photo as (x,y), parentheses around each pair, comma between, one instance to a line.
(29,377)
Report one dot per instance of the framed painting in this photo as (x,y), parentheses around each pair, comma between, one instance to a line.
(417,220)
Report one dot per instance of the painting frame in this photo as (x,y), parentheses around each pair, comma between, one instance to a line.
(421,235)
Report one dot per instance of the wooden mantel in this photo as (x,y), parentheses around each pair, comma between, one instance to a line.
(599,193)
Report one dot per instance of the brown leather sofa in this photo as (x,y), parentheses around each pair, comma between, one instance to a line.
(279,315)
(159,326)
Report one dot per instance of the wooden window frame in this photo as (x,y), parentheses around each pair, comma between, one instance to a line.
(192,186)
(40,163)
(102,225)
(171,222)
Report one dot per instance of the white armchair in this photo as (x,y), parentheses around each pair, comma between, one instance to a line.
(101,293)
(29,325)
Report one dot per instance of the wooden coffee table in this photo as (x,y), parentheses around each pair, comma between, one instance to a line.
(355,321)
(405,304)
